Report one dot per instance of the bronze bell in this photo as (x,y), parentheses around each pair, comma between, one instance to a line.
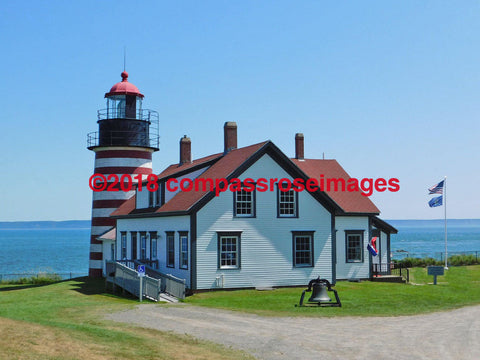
(319,293)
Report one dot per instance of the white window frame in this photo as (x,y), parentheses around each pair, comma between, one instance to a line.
(297,235)
(239,201)
(123,245)
(170,248)
(183,250)
(143,245)
(226,254)
(282,194)
(358,248)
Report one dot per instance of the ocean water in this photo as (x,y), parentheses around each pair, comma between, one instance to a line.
(422,238)
(63,247)
(62,251)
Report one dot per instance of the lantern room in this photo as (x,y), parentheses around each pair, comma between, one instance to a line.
(124,122)
(124,100)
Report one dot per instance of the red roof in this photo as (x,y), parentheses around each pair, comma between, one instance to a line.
(349,201)
(176,168)
(220,170)
(224,165)
(124,87)
(108,235)
(184,200)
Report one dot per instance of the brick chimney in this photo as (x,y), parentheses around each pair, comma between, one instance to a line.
(185,150)
(299,152)
(230,136)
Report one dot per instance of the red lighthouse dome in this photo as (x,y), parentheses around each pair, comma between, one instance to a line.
(124,88)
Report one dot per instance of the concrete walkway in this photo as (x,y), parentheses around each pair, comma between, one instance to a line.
(444,335)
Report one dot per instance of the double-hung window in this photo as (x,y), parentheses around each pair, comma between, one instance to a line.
(154,197)
(143,245)
(302,248)
(123,236)
(183,250)
(170,249)
(153,245)
(244,203)
(133,249)
(287,203)
(229,250)
(354,245)
(151,199)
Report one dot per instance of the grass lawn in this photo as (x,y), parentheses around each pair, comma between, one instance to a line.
(459,287)
(65,321)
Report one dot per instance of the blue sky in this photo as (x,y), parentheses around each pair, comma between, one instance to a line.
(389,89)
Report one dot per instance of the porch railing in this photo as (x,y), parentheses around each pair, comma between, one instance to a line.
(390,269)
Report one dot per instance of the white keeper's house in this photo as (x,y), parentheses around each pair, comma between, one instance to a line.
(237,239)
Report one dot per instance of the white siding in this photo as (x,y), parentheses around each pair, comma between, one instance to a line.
(107,253)
(346,270)
(266,241)
(160,225)
(383,247)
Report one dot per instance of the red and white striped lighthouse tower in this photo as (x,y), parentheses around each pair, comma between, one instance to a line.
(126,138)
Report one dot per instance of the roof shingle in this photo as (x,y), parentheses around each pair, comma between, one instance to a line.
(349,201)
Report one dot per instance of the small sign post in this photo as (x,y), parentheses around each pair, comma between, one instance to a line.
(141,275)
(435,271)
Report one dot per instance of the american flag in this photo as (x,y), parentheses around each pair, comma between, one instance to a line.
(436,189)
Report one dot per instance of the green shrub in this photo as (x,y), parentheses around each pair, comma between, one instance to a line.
(39,279)
(454,260)
(457,260)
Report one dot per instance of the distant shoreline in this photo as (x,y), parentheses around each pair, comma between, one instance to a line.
(39,225)
(85,224)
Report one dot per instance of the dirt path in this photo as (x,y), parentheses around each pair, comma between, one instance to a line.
(444,335)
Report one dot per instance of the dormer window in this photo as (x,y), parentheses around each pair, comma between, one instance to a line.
(154,197)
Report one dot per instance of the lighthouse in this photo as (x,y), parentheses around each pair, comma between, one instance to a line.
(126,138)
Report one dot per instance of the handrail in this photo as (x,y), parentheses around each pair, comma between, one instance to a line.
(113,136)
(128,279)
(167,283)
(390,269)
(171,285)
(140,114)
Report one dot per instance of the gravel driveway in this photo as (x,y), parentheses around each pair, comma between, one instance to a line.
(444,335)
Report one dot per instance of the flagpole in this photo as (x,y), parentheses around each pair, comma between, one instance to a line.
(445,209)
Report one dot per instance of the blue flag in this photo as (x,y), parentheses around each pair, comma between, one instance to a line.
(437,189)
(436,201)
